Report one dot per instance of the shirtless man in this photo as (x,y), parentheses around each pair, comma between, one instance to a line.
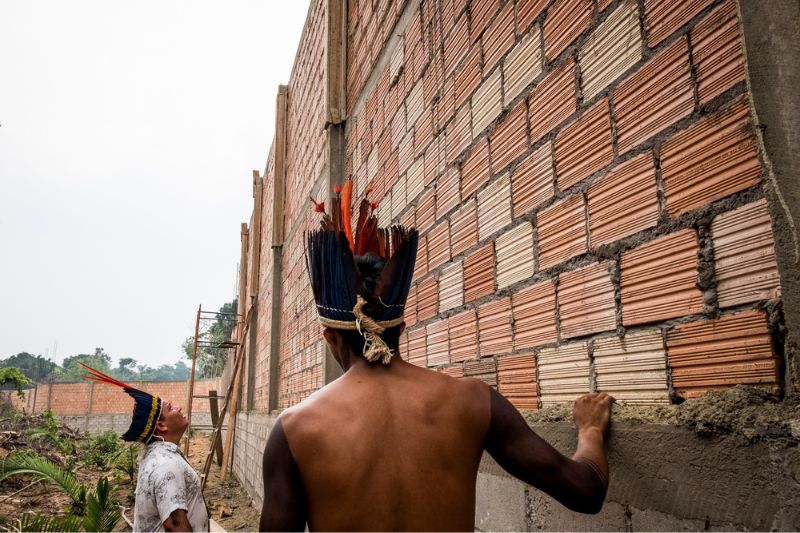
(396,447)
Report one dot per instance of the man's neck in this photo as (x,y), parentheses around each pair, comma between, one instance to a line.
(168,437)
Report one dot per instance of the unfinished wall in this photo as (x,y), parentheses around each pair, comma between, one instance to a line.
(595,202)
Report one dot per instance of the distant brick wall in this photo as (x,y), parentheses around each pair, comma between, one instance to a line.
(94,399)
(586,181)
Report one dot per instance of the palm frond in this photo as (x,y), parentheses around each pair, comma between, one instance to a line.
(102,512)
(40,522)
(40,468)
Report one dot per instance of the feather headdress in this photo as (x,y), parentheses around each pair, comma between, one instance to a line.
(146,407)
(333,252)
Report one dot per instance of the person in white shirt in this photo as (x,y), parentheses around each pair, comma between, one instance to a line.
(168,490)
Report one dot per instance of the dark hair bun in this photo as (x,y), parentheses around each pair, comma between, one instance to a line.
(370,266)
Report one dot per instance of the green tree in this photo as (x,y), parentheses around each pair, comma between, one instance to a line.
(126,369)
(12,376)
(36,367)
(72,371)
(211,359)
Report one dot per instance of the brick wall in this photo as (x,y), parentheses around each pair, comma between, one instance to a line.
(592,197)
(94,399)
(587,184)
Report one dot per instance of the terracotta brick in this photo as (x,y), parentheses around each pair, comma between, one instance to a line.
(427,298)
(415,104)
(405,151)
(445,108)
(658,279)
(744,255)
(414,180)
(634,368)
(464,227)
(421,264)
(438,346)
(459,133)
(527,11)
(451,286)
(433,79)
(514,255)
(532,180)
(439,245)
(623,201)
(718,354)
(372,164)
(398,126)
(423,131)
(399,202)
(408,219)
(494,207)
(553,100)
(498,38)
(711,159)
(463,336)
(654,97)
(665,17)
(534,315)
(717,52)
(481,12)
(483,369)
(516,376)
(479,273)
(586,301)
(614,47)
(396,61)
(475,171)
(456,45)
(448,191)
(521,66)
(418,346)
(602,5)
(454,371)
(487,103)
(468,76)
(494,327)
(565,21)
(583,147)
(426,210)
(435,160)
(509,139)
(410,311)
(563,373)
(562,231)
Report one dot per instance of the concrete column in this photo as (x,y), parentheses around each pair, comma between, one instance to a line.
(772,48)
(277,245)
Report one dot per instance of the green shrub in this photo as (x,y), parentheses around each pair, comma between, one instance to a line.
(101,449)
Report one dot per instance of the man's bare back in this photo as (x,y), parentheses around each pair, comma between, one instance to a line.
(398,447)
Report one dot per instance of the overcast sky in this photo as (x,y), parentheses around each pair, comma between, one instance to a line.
(128,136)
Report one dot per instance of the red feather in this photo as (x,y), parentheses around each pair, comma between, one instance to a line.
(102,378)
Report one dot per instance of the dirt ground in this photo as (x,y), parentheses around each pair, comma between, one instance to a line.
(228,503)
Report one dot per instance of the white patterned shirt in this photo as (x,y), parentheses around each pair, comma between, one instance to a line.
(167,482)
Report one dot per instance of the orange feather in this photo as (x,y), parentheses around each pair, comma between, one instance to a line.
(347,194)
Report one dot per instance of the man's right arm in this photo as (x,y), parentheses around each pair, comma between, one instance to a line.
(284,507)
(579,483)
